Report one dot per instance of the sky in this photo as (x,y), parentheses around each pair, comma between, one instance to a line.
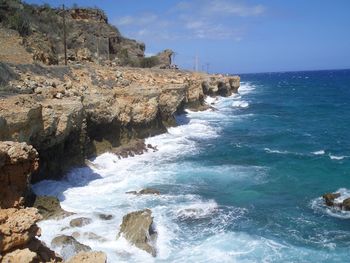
(236,36)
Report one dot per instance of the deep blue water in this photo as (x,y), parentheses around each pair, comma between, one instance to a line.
(240,184)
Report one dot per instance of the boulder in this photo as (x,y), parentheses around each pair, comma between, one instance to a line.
(79,222)
(49,207)
(88,235)
(105,216)
(137,227)
(89,257)
(330,197)
(20,256)
(18,242)
(68,246)
(346,204)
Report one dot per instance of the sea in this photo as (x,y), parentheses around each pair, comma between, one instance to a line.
(239,183)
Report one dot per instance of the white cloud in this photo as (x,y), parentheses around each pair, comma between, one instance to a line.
(140,20)
(196,19)
(232,8)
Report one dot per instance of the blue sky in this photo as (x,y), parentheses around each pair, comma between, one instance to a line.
(237,36)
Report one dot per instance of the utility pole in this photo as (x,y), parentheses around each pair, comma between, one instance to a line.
(208,64)
(64,36)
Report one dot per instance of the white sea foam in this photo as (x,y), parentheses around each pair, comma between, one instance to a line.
(335,157)
(246,88)
(320,152)
(240,104)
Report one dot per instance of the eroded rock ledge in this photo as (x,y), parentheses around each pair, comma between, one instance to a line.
(70,113)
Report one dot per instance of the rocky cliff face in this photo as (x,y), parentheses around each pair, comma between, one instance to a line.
(17,162)
(89,35)
(70,113)
(18,229)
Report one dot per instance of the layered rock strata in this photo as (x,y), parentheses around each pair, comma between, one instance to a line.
(71,113)
(18,228)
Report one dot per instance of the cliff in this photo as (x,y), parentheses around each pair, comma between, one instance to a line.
(70,113)
(89,35)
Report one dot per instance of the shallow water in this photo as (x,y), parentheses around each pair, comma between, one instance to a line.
(239,184)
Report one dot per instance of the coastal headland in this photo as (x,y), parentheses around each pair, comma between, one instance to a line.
(53,117)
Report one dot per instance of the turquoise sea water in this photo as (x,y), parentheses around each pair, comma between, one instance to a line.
(239,184)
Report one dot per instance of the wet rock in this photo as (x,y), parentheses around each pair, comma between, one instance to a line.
(68,246)
(346,204)
(146,191)
(89,257)
(79,222)
(105,217)
(135,147)
(137,227)
(330,197)
(88,235)
(49,207)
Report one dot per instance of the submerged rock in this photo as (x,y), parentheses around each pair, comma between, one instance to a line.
(89,257)
(79,222)
(88,235)
(146,191)
(137,227)
(105,216)
(330,197)
(69,246)
(50,208)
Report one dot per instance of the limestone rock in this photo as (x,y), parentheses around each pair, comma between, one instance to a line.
(89,257)
(68,246)
(137,227)
(20,256)
(164,59)
(49,207)
(18,231)
(79,222)
(17,162)
(18,227)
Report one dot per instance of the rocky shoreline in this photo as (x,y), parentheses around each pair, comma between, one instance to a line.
(55,118)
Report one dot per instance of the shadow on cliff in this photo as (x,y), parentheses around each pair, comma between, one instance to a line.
(75,178)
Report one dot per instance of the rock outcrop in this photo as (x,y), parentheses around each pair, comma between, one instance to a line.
(137,227)
(72,113)
(49,207)
(164,59)
(89,257)
(68,246)
(18,232)
(330,199)
(17,162)
(18,228)
(89,35)
(146,191)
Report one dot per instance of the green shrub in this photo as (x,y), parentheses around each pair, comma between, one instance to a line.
(149,62)
(19,23)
